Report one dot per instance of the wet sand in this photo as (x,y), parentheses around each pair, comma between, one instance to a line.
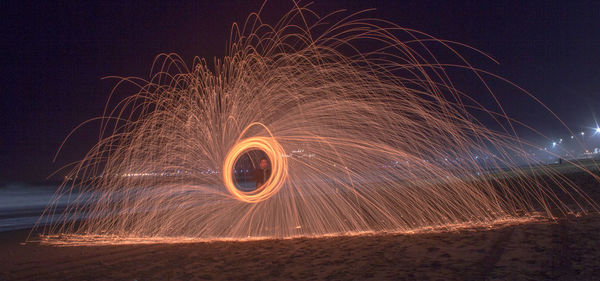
(567,249)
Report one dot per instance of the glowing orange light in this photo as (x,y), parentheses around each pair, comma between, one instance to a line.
(378,140)
(279,168)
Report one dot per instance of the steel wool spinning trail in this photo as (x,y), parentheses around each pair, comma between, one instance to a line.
(384,141)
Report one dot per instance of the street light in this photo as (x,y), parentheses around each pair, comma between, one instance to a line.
(598,130)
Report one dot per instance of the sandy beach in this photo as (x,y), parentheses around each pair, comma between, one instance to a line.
(563,250)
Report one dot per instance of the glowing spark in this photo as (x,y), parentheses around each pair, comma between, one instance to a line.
(279,168)
(362,125)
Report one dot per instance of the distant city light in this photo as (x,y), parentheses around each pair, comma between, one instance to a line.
(582,133)
(553,144)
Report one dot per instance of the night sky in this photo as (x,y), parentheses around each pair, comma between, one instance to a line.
(55,54)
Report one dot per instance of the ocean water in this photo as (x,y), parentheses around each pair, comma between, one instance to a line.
(21,205)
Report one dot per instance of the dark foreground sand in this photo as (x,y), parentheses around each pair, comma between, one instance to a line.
(563,250)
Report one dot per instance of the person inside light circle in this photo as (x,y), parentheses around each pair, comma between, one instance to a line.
(262,174)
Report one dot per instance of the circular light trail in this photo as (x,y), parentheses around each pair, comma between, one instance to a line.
(279,168)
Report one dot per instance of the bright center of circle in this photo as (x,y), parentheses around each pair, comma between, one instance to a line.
(279,168)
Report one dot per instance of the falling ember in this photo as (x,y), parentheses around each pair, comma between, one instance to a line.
(364,131)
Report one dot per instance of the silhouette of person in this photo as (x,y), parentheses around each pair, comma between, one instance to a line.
(262,174)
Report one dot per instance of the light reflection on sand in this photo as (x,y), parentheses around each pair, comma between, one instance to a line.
(76,240)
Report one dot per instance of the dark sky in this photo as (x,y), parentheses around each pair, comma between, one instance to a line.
(54,55)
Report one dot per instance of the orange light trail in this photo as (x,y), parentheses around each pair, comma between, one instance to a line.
(365,130)
(279,168)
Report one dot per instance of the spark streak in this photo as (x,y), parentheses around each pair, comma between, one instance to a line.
(392,144)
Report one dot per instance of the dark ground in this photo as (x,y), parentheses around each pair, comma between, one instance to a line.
(564,250)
